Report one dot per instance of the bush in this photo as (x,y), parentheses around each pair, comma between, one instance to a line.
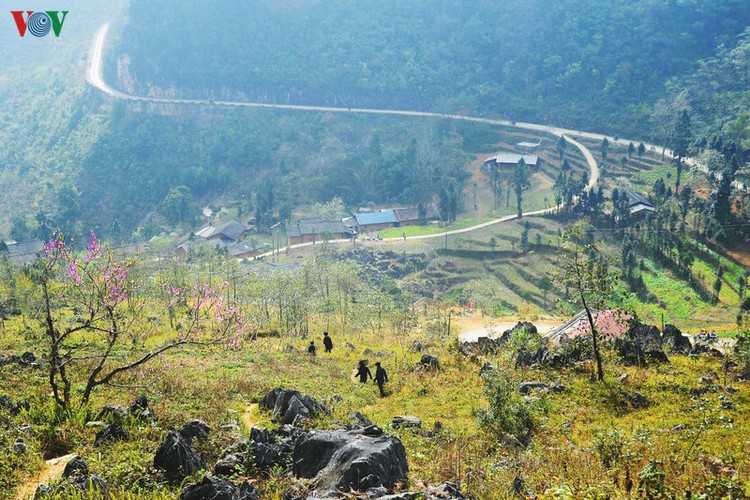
(507,413)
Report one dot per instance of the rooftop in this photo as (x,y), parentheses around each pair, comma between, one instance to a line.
(317,226)
(384,217)
(512,159)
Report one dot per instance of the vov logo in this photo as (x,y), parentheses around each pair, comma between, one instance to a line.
(39,24)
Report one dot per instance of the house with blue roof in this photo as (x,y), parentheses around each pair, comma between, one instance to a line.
(375,221)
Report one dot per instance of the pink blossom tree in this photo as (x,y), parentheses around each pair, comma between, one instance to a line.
(91,305)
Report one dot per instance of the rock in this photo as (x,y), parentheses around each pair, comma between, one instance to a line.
(518,488)
(350,346)
(140,410)
(213,488)
(96,424)
(558,388)
(525,388)
(368,352)
(230,464)
(656,356)
(111,433)
(349,460)
(416,346)
(77,466)
(487,370)
(447,490)
(43,491)
(729,365)
(429,362)
(360,420)
(636,400)
(19,446)
(700,391)
(678,428)
(112,413)
(195,429)
(89,483)
(27,358)
(526,359)
(622,378)
(175,457)
(406,422)
(287,405)
(727,405)
(674,341)
(26,429)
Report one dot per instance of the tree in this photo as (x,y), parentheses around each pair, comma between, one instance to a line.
(584,272)
(561,145)
(641,149)
(631,149)
(333,210)
(177,204)
(520,183)
(680,141)
(90,305)
(604,149)
(448,202)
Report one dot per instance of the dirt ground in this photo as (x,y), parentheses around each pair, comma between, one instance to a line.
(473,326)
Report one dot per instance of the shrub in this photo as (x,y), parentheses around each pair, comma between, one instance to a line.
(507,412)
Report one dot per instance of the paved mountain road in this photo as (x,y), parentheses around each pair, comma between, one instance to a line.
(95,76)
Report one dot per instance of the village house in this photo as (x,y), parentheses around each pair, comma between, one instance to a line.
(509,160)
(410,216)
(638,205)
(25,252)
(229,232)
(375,221)
(310,230)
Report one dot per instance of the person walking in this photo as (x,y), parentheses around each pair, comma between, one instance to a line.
(311,348)
(363,372)
(381,377)
(327,342)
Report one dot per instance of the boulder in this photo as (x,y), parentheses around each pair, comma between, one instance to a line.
(140,410)
(175,457)
(76,466)
(110,434)
(195,429)
(416,346)
(19,446)
(525,388)
(350,460)
(674,341)
(213,488)
(230,464)
(447,491)
(406,422)
(429,362)
(287,405)
(487,370)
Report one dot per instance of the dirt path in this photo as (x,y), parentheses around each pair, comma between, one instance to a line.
(248,416)
(51,471)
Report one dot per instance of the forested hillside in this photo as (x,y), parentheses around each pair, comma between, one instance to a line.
(531,60)
(76,159)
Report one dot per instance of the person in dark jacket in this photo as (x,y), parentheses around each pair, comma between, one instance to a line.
(327,342)
(363,372)
(381,377)
(311,348)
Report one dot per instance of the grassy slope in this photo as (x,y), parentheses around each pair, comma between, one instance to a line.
(218,385)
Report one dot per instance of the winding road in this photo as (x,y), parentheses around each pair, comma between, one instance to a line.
(95,76)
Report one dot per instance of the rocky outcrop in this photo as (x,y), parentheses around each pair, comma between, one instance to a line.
(429,362)
(110,434)
(175,457)
(350,460)
(291,407)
